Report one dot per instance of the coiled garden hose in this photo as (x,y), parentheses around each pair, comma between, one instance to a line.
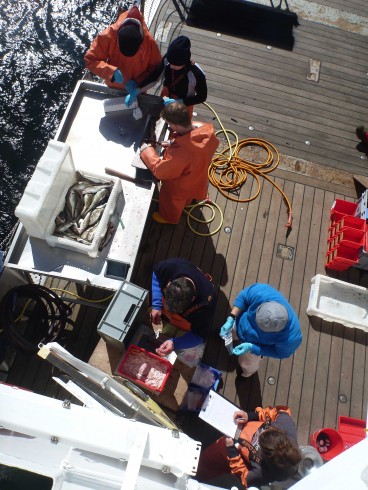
(228,171)
(48,317)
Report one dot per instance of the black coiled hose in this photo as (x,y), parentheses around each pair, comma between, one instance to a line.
(47,312)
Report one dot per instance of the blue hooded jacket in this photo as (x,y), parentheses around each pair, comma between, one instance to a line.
(279,345)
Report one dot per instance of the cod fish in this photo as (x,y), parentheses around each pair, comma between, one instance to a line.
(98,197)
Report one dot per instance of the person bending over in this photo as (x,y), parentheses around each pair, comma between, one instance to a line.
(183,168)
(266,325)
(183,296)
(183,79)
(124,53)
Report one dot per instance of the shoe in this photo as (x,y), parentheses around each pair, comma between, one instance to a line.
(159,219)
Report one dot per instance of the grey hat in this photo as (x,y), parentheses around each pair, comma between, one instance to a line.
(271,316)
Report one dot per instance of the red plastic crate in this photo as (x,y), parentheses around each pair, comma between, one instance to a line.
(351,430)
(345,255)
(341,208)
(351,222)
(341,258)
(130,369)
(351,238)
(336,266)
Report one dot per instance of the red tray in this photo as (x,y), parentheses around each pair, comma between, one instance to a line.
(125,367)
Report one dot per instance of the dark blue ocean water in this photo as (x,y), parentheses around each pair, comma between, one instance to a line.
(42,44)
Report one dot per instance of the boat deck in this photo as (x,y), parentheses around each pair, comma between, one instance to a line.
(250,85)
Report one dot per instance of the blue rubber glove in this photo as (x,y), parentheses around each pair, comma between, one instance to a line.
(168,101)
(242,349)
(131,97)
(117,76)
(131,86)
(226,327)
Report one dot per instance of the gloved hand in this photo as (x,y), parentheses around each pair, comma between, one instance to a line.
(168,101)
(131,97)
(226,327)
(117,76)
(131,85)
(242,348)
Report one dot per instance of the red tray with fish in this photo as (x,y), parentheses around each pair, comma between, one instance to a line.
(144,368)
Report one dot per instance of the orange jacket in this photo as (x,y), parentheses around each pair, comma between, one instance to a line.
(104,55)
(183,169)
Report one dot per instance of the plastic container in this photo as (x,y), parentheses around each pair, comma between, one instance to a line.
(128,309)
(351,222)
(92,248)
(337,444)
(133,358)
(53,173)
(341,208)
(204,379)
(194,399)
(351,238)
(338,301)
(351,430)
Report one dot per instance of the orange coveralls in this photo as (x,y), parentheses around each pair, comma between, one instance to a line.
(104,55)
(183,169)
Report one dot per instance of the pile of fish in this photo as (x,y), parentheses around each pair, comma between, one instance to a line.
(85,203)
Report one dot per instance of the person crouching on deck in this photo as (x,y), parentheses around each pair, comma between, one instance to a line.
(183,80)
(265,323)
(184,165)
(124,53)
(185,297)
(266,450)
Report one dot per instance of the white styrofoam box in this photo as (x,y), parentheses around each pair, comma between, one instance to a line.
(338,301)
(53,172)
(91,249)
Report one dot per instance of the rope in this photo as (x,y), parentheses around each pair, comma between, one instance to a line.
(81,297)
(208,204)
(48,320)
(228,171)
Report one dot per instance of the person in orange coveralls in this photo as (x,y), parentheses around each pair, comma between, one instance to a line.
(265,451)
(184,165)
(124,52)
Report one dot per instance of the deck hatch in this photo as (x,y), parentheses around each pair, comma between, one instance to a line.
(285,252)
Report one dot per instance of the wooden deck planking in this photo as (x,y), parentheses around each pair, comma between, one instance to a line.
(268,89)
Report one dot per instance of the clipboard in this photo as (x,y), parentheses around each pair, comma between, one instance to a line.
(218,412)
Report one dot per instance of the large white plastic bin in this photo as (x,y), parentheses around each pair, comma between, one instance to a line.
(52,174)
(339,301)
(44,198)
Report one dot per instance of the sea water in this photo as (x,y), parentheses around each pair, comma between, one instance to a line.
(42,44)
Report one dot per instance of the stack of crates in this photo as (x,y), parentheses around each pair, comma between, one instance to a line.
(346,236)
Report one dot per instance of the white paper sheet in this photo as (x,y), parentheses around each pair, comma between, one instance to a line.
(218,412)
